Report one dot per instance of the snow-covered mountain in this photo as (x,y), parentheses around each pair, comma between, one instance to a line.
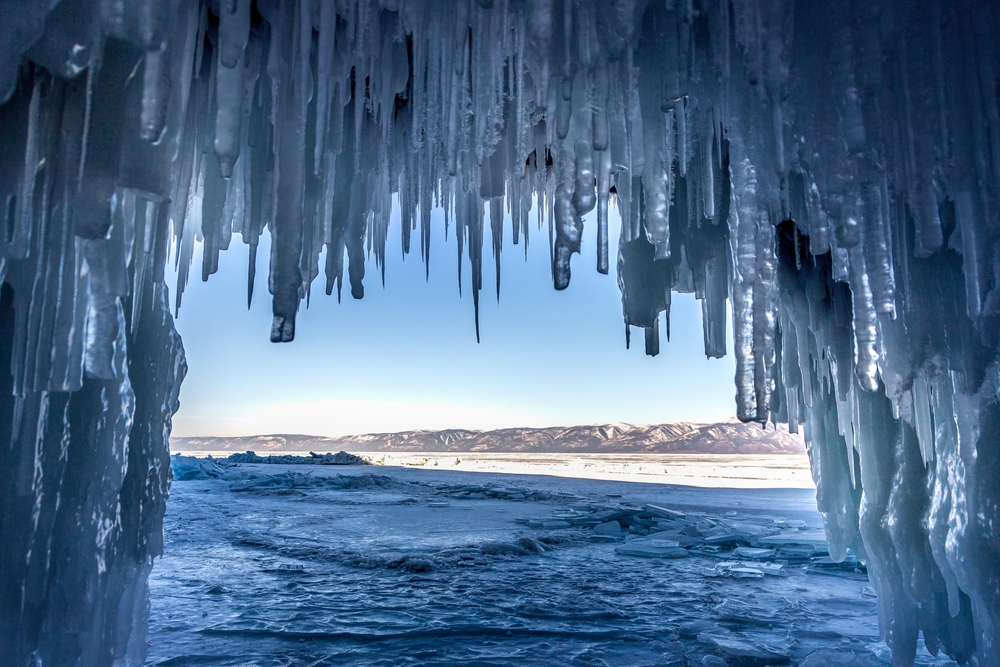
(729,437)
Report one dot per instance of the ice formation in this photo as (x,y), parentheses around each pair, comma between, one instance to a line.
(830,169)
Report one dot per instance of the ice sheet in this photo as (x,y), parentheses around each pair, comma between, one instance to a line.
(436,566)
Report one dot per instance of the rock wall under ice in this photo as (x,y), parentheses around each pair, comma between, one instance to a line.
(830,169)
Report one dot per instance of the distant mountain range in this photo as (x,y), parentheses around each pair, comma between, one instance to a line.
(730,437)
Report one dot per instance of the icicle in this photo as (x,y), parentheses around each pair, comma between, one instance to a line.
(865,322)
(601,124)
(568,226)
(603,196)
(229,93)
(286,246)
(155,94)
(765,297)
(325,85)
(743,239)
(20,239)
(583,186)
(883,279)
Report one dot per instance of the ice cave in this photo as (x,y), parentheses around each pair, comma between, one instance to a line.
(829,169)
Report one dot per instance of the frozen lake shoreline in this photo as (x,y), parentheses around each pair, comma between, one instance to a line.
(398,564)
(704,470)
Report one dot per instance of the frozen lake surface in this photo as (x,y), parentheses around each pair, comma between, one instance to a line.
(316,566)
(711,470)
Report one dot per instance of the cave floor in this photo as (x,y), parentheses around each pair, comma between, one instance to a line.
(314,566)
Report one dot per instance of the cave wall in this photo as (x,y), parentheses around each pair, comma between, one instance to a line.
(84,490)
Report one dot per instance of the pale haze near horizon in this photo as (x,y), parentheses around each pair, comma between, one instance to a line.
(405,357)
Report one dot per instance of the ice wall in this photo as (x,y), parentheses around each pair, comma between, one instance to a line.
(830,169)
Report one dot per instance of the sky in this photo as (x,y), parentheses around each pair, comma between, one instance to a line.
(405,357)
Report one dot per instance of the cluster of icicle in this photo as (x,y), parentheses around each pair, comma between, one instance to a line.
(830,169)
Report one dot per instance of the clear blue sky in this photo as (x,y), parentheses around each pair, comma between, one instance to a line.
(406,357)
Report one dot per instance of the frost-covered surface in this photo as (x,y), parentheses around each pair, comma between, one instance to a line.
(832,169)
(301,566)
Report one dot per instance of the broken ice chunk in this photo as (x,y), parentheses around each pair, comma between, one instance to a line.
(740,649)
(664,512)
(772,569)
(753,552)
(652,549)
(736,570)
(814,539)
(608,528)
(746,573)
(189,468)
(849,657)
